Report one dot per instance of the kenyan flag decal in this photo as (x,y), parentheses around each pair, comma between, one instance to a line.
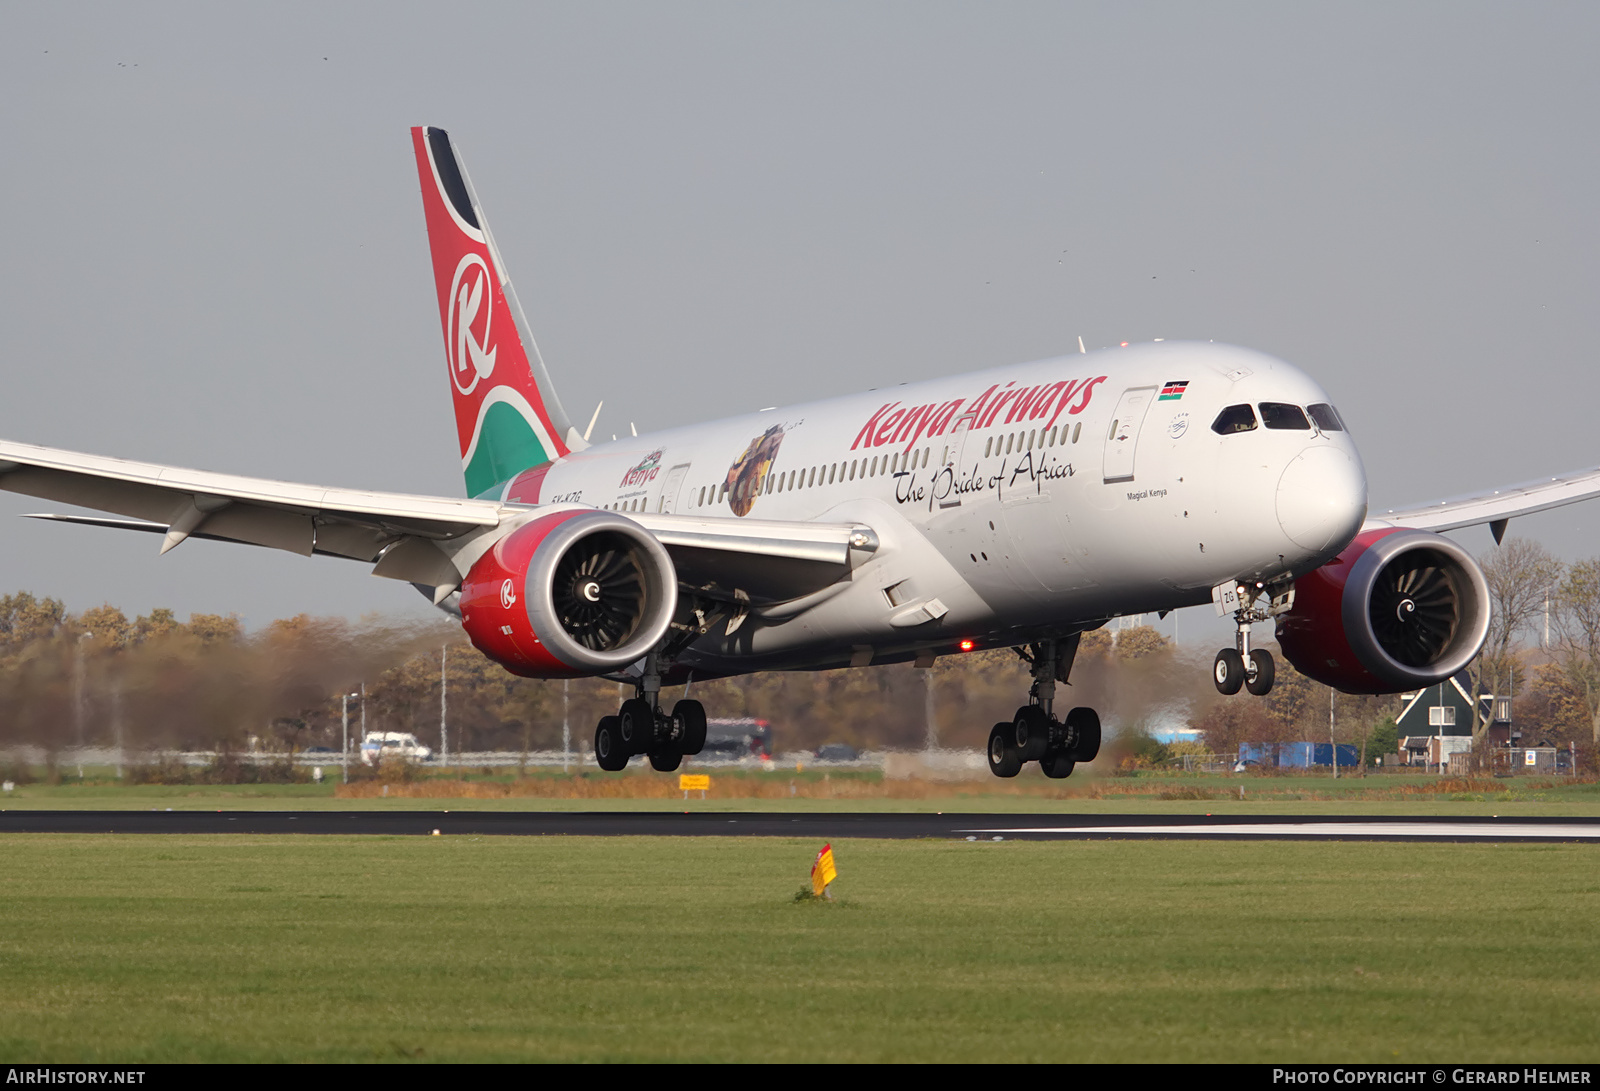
(1173,390)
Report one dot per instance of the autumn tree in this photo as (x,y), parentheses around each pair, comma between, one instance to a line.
(158,623)
(1551,710)
(1139,642)
(24,619)
(1094,644)
(106,625)
(1296,704)
(214,629)
(1228,725)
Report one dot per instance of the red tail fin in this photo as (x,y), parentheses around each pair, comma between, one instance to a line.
(507,415)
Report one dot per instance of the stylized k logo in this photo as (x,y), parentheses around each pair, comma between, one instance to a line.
(471,357)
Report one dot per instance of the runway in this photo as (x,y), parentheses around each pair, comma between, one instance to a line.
(956,827)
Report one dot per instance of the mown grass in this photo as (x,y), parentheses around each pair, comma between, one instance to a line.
(814,790)
(143,949)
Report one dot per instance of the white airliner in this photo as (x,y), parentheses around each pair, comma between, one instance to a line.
(1017,507)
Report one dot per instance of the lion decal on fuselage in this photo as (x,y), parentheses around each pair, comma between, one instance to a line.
(749,471)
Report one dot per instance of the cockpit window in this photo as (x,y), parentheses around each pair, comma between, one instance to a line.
(1235,418)
(1284,417)
(1325,417)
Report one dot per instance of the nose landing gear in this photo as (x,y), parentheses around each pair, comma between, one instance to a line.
(1233,671)
(1035,734)
(1241,666)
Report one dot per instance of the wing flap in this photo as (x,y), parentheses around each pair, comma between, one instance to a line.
(758,561)
(823,543)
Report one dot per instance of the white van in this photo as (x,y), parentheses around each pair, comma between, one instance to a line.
(388,745)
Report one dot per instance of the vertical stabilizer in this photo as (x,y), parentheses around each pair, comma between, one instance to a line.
(508,417)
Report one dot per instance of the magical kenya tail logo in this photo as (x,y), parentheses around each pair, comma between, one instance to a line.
(508,418)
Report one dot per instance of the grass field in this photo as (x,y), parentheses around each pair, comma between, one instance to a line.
(854,791)
(135,949)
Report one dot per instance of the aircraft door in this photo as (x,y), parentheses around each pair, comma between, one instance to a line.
(1122,438)
(669,488)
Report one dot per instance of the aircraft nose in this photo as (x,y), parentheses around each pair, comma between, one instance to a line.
(1322,498)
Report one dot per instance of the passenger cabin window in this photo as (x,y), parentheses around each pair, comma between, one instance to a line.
(1283,417)
(1325,417)
(1235,418)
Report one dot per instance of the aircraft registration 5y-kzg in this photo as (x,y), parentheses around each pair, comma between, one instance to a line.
(1018,507)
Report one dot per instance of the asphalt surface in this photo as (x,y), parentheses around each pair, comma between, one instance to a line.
(971,827)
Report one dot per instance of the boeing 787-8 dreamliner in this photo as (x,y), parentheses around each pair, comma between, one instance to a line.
(1018,507)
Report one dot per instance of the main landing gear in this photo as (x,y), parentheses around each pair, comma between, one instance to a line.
(1242,666)
(1035,734)
(640,727)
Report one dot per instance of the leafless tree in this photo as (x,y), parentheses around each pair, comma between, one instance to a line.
(1522,577)
(1577,623)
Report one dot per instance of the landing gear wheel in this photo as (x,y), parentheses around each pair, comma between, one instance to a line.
(1003,758)
(608,749)
(689,717)
(636,725)
(1258,679)
(1057,766)
(1084,725)
(1228,671)
(665,762)
(1030,733)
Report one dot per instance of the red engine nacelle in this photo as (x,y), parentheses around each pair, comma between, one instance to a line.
(572,593)
(1396,610)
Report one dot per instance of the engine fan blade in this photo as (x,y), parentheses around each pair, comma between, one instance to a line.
(1414,613)
(599,593)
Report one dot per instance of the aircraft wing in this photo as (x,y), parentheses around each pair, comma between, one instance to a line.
(1496,507)
(746,560)
(178,503)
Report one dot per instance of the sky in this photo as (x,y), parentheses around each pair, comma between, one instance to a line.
(212,251)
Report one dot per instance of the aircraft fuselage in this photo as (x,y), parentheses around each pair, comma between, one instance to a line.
(1019,502)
